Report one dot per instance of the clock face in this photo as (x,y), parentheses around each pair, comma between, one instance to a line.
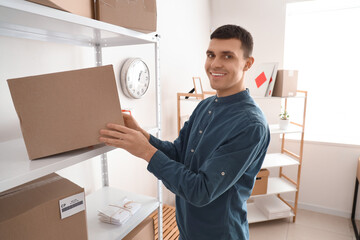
(135,78)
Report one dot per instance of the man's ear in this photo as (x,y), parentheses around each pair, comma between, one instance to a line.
(249,63)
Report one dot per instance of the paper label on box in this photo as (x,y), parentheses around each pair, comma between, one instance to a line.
(72,205)
(291,73)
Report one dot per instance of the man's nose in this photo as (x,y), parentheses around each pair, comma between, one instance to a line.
(216,63)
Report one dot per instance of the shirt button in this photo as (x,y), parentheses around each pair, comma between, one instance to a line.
(200,131)
(209,112)
(192,150)
(216,100)
(222,173)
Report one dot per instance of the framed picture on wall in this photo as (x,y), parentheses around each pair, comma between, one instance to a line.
(197,85)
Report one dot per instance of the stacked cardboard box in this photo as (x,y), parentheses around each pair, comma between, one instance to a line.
(50,207)
(80,7)
(144,231)
(137,15)
(286,83)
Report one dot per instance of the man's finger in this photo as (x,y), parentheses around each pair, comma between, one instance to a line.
(111,133)
(119,128)
(111,141)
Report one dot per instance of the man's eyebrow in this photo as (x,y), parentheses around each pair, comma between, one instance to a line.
(228,52)
(223,52)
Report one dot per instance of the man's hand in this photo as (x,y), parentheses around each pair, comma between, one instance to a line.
(130,122)
(129,139)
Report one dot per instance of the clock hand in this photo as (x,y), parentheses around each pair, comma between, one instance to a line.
(139,76)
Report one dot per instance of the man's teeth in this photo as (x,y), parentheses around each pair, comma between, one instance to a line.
(217,74)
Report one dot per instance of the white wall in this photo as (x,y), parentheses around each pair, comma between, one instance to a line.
(184,29)
(328,173)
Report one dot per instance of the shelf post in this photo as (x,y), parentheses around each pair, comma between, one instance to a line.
(98,62)
(158,123)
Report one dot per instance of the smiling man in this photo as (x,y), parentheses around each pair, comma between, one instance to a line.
(212,165)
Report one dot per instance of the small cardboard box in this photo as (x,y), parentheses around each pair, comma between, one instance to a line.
(285,83)
(261,182)
(144,231)
(137,15)
(63,111)
(83,8)
(33,211)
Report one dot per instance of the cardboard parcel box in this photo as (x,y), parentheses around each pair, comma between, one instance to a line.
(50,207)
(64,111)
(139,15)
(285,83)
(261,182)
(144,231)
(83,8)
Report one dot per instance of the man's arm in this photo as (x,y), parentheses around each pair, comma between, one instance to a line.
(218,173)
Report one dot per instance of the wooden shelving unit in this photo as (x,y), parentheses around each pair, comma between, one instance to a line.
(283,183)
(26,20)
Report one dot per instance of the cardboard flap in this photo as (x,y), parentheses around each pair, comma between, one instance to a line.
(64,111)
(20,199)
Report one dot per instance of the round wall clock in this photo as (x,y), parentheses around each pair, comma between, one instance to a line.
(134,78)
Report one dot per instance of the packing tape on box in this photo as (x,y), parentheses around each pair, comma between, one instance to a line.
(149,6)
(28,187)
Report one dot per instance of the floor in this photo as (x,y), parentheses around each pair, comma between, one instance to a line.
(308,226)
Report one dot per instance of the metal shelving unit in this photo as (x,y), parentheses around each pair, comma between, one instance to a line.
(26,20)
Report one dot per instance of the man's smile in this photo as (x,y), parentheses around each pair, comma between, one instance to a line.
(217,74)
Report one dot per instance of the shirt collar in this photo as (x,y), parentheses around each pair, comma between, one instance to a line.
(243,95)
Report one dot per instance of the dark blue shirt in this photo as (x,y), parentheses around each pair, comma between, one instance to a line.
(212,165)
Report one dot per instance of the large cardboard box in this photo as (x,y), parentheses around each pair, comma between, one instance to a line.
(144,231)
(80,7)
(137,15)
(285,83)
(64,111)
(261,182)
(34,211)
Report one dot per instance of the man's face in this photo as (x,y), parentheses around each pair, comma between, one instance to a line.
(225,65)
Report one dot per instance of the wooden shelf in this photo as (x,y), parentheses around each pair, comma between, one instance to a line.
(277,185)
(278,160)
(106,196)
(273,97)
(275,129)
(256,215)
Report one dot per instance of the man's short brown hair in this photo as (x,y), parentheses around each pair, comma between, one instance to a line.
(233,31)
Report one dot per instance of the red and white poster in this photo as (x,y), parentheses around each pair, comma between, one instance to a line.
(261,79)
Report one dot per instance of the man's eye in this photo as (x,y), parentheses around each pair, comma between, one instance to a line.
(228,56)
(210,55)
